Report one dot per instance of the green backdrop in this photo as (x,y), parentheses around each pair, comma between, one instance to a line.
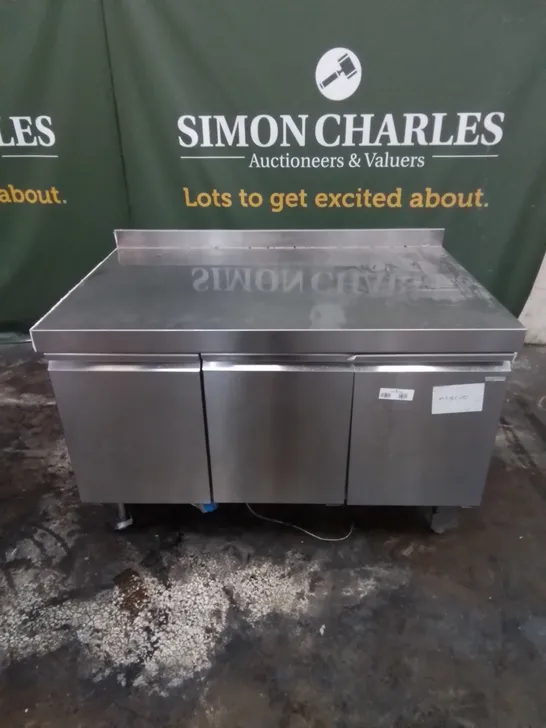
(143,93)
(54,64)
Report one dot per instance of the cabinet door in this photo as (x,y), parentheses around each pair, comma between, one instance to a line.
(423,435)
(135,432)
(278,433)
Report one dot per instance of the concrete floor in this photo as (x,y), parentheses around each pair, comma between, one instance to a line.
(221,620)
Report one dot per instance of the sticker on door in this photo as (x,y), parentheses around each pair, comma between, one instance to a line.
(402,395)
(457,398)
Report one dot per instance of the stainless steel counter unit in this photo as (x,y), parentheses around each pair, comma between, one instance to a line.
(360,366)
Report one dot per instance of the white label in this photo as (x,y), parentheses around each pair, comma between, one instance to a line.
(457,398)
(495,379)
(403,395)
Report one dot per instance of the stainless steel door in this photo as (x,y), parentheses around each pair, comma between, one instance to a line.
(278,432)
(412,441)
(135,432)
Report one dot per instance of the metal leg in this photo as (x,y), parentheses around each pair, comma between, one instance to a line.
(442,518)
(124,518)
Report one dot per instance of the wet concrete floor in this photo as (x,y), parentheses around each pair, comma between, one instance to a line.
(200,620)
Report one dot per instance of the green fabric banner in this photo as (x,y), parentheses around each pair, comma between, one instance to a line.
(309,114)
(61,185)
(314,114)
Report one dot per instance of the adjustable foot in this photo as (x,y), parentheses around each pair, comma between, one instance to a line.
(124,518)
(442,518)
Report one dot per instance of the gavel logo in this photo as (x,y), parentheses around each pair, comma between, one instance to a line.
(338,74)
(346,68)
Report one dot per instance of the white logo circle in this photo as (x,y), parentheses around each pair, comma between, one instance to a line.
(338,74)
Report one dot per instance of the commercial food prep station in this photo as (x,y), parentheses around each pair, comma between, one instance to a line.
(364,367)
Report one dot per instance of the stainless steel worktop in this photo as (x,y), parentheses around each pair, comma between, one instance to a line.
(412,299)
(361,367)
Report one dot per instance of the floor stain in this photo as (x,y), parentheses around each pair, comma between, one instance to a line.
(134,596)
